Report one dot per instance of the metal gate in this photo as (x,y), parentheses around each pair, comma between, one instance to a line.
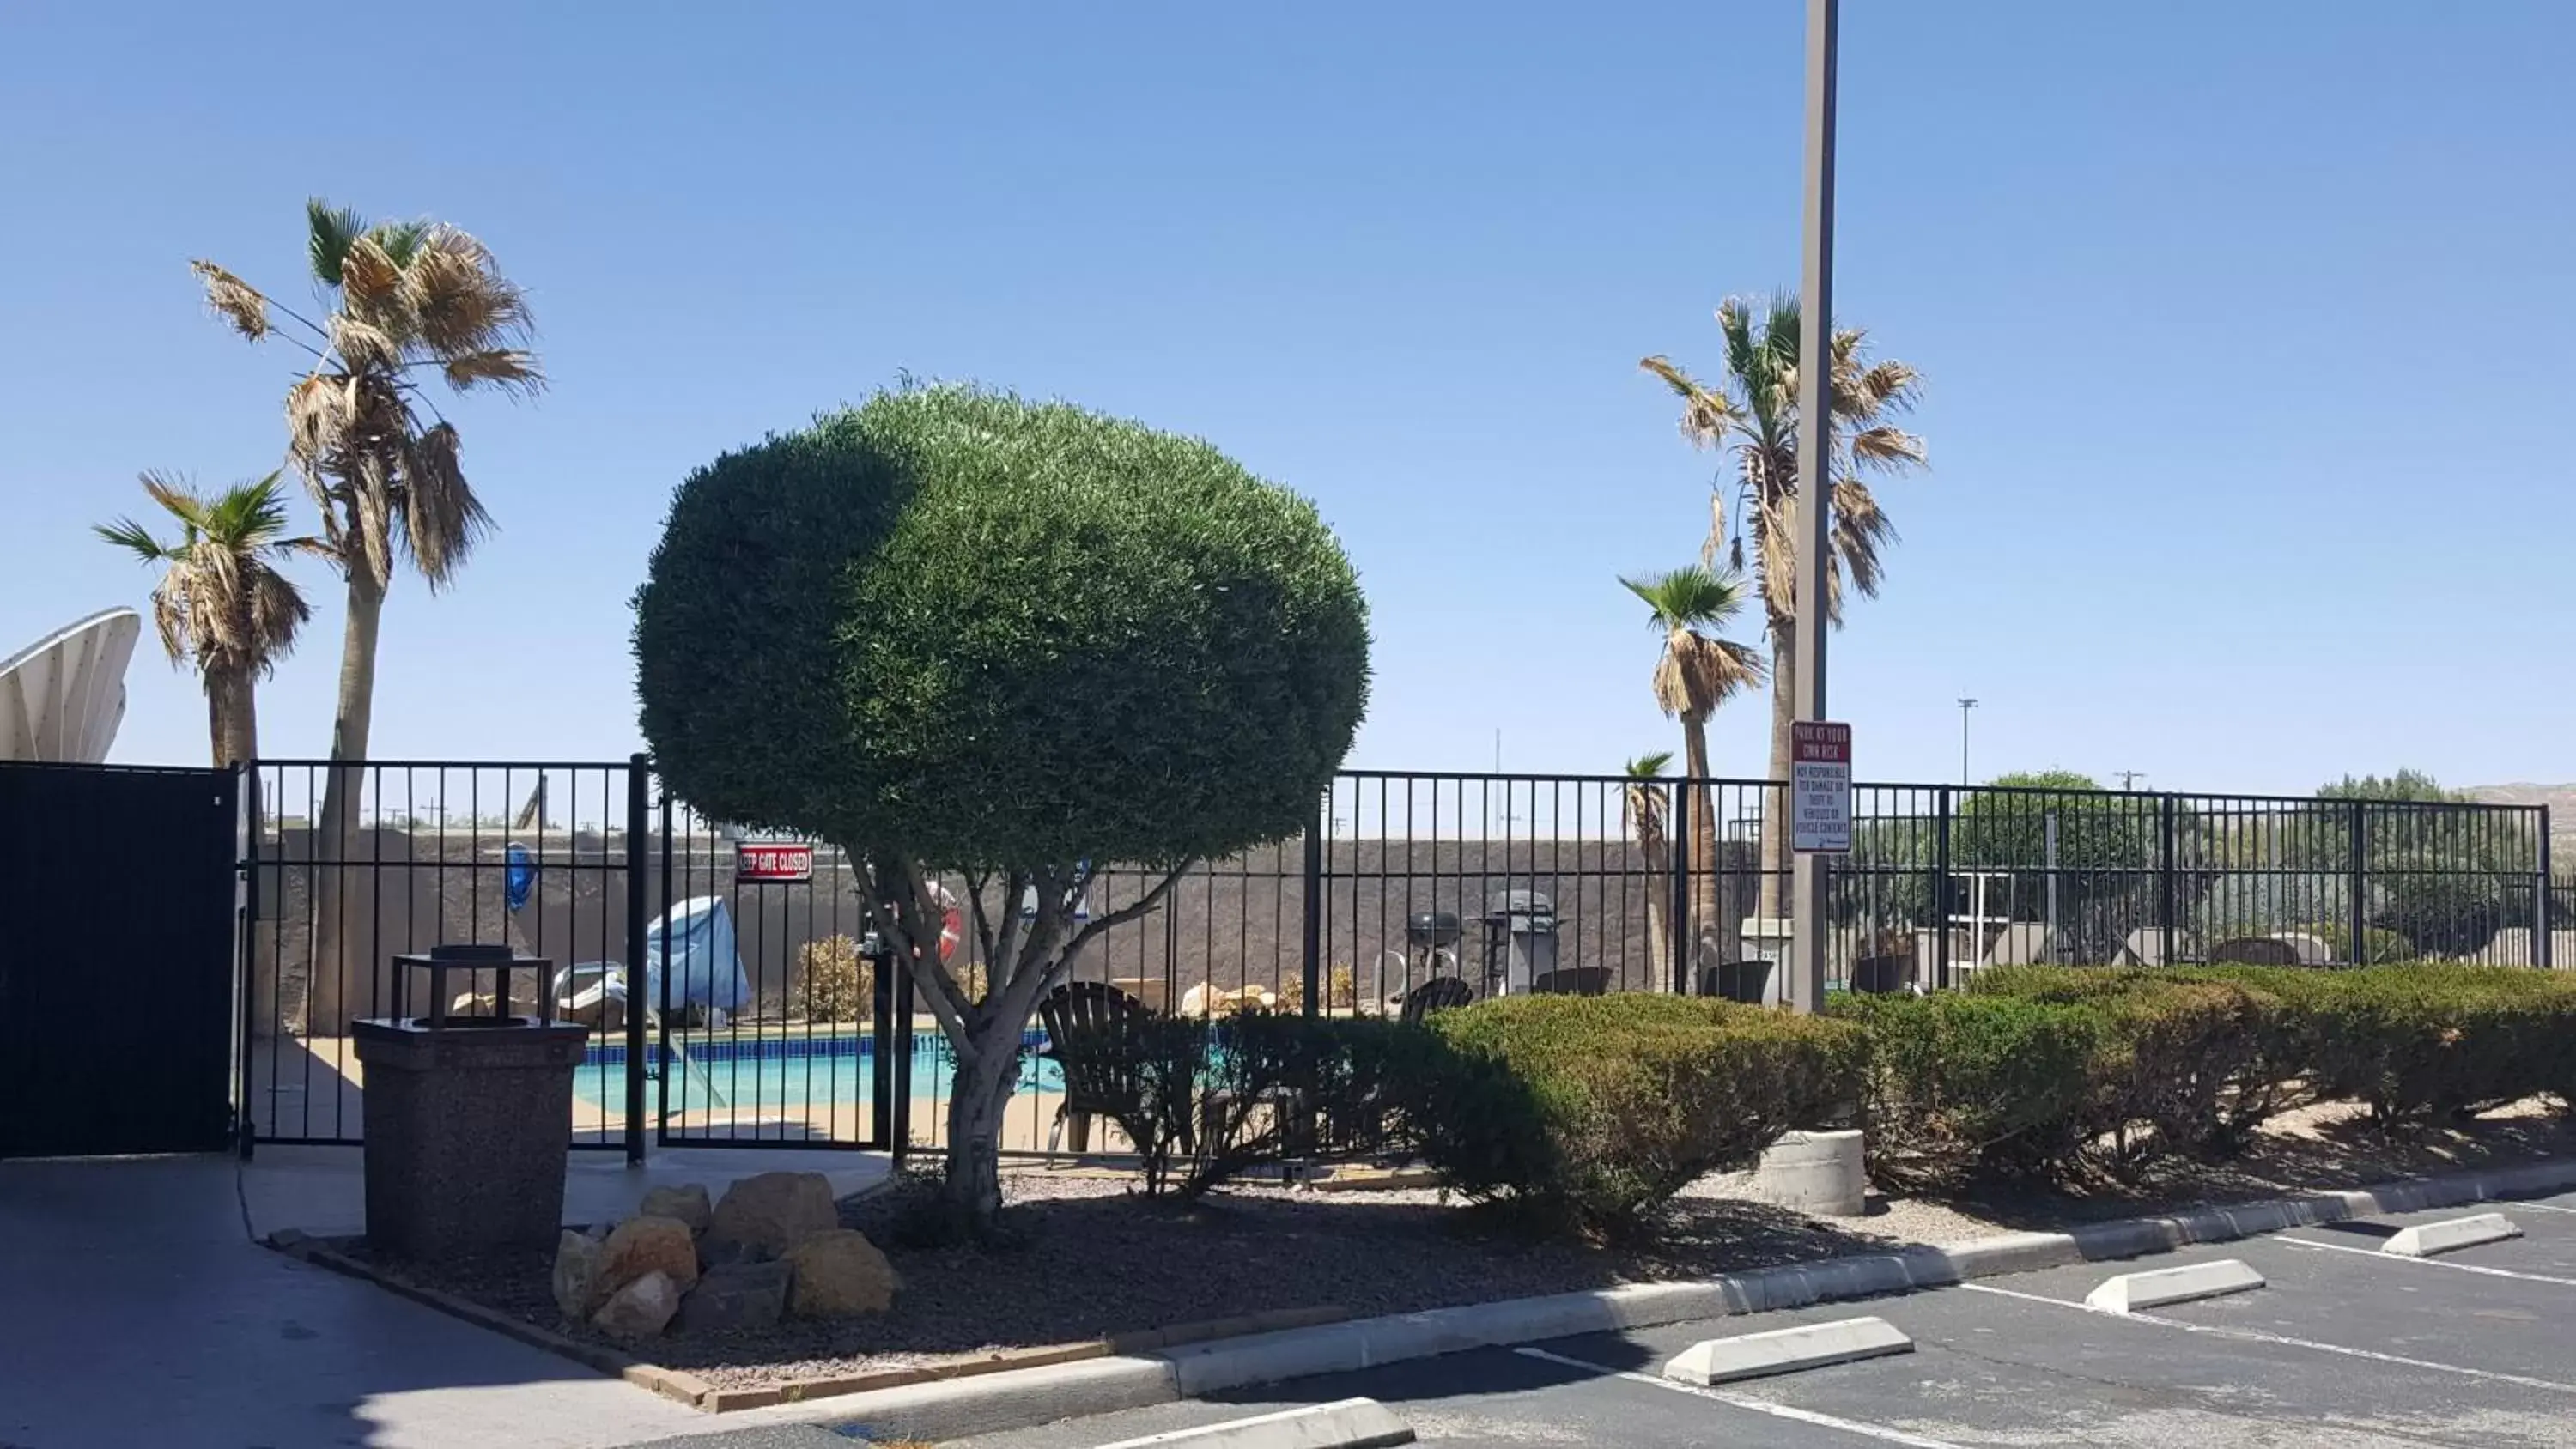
(116,964)
(591,866)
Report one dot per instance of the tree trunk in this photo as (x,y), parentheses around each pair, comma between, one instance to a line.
(972,1187)
(1777,857)
(1713,936)
(329,997)
(1655,849)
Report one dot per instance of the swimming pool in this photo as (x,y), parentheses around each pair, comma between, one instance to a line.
(787,1071)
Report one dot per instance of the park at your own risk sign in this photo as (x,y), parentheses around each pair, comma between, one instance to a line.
(1820,787)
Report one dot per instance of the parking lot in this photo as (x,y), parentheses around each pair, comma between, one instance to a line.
(2344,1346)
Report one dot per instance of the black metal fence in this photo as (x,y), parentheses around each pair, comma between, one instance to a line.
(1509,882)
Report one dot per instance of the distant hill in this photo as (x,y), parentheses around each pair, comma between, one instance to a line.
(2561,800)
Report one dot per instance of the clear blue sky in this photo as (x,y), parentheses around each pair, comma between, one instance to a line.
(2246,330)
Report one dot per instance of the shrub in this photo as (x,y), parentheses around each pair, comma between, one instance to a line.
(833,981)
(1629,1098)
(2179,1065)
(1967,1087)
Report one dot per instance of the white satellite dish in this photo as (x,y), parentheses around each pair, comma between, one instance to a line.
(62,697)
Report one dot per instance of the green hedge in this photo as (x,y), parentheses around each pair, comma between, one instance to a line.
(1593,1112)
(2073,1073)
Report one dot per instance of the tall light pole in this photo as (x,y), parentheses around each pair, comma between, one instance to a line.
(1806,976)
(1965,705)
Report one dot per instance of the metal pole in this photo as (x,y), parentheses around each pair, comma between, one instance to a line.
(1965,705)
(1806,983)
(639,821)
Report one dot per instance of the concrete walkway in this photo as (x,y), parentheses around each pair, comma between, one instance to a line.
(137,1310)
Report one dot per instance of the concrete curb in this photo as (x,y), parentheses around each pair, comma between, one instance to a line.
(1019,1398)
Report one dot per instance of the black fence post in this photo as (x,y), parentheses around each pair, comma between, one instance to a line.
(1943,908)
(2540,951)
(2357,909)
(2165,892)
(881,962)
(639,825)
(1311,933)
(246,955)
(1678,845)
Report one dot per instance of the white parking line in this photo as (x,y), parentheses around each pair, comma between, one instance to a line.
(1745,1401)
(2256,1335)
(2543,1207)
(2378,1256)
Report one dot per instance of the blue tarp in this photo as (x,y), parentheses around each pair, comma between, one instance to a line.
(698,935)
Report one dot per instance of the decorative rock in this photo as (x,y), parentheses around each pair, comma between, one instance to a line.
(689,1204)
(838,1274)
(640,1309)
(738,1295)
(762,1217)
(648,1245)
(576,1278)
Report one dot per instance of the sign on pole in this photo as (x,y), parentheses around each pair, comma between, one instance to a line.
(1820,787)
(772,862)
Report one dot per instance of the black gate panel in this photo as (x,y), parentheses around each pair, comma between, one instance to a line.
(116,959)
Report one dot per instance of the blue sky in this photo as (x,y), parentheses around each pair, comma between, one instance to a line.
(2245,330)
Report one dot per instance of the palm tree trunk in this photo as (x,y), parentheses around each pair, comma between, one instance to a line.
(1655,850)
(332,992)
(1777,858)
(1713,936)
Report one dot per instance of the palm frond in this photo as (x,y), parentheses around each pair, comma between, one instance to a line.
(1650,765)
(441,518)
(135,539)
(234,300)
(1706,412)
(401,240)
(329,232)
(1692,597)
(370,294)
(461,301)
(508,369)
(277,612)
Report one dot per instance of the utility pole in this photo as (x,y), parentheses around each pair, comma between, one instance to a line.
(2129,778)
(1806,974)
(1965,705)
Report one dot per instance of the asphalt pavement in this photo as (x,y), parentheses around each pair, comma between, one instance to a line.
(2345,1346)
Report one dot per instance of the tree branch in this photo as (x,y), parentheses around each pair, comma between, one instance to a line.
(1121,916)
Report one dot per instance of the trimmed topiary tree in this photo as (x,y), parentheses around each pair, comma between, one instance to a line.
(954,630)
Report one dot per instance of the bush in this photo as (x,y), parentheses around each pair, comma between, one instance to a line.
(1960,1088)
(2177,1066)
(833,981)
(1592,1112)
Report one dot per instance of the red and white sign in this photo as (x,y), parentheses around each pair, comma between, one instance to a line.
(772,862)
(1820,787)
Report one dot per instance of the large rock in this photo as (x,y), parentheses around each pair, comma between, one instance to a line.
(762,1217)
(838,1274)
(648,1245)
(576,1277)
(689,1204)
(640,1309)
(737,1295)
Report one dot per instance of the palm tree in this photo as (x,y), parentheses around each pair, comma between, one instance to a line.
(1700,670)
(221,604)
(403,299)
(1643,809)
(1756,403)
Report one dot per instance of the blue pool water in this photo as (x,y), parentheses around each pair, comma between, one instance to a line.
(783,1072)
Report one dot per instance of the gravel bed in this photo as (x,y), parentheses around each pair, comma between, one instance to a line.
(1091,1258)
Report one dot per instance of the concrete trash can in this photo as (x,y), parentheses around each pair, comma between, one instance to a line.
(468,1129)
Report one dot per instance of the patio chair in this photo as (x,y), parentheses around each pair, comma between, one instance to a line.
(1440,993)
(1881,975)
(2254,951)
(1572,981)
(1095,1034)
